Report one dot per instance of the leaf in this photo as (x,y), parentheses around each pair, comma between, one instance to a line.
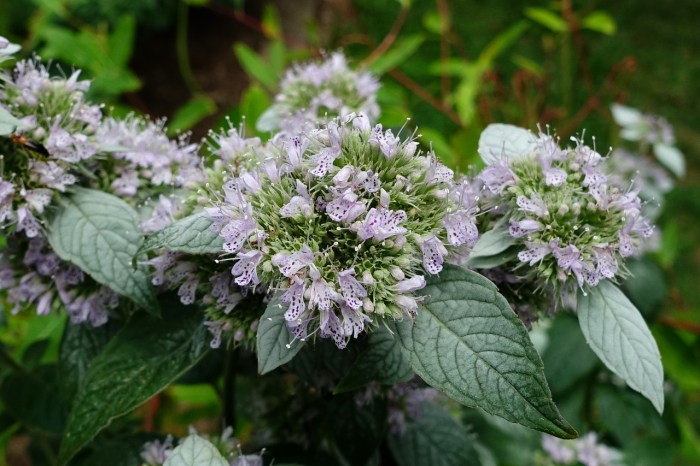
(195,451)
(561,368)
(397,54)
(490,245)
(123,450)
(381,362)
(434,439)
(467,342)
(626,116)
(33,399)
(600,21)
(191,235)
(121,40)
(351,426)
(146,356)
(194,111)
(255,66)
(671,158)
(9,124)
(617,333)
(499,141)
(547,19)
(254,102)
(79,345)
(270,119)
(274,344)
(100,234)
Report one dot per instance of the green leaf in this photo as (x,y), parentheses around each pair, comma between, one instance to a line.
(274,344)
(123,450)
(146,356)
(255,66)
(100,234)
(600,21)
(191,235)
(199,107)
(434,439)
(567,358)
(490,247)
(617,333)
(397,54)
(121,40)
(547,19)
(351,426)
(196,451)
(254,103)
(9,124)
(33,399)
(467,342)
(499,140)
(671,158)
(381,362)
(80,344)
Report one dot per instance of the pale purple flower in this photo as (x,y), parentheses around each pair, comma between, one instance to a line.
(410,284)
(294,297)
(353,320)
(433,251)
(382,223)
(387,143)
(496,177)
(345,207)
(524,227)
(301,203)
(532,204)
(534,253)
(296,261)
(461,228)
(351,289)
(245,269)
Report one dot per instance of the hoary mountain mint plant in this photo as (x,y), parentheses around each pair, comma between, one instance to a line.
(558,224)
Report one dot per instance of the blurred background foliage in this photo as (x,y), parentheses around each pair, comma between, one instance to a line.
(454,67)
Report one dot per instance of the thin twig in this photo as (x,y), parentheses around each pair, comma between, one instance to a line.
(680,324)
(444,13)
(389,39)
(183,53)
(424,95)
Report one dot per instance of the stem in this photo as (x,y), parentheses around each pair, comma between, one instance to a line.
(444,13)
(183,55)
(389,39)
(424,95)
(680,325)
(229,391)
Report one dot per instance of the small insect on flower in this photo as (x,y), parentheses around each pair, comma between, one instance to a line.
(29,144)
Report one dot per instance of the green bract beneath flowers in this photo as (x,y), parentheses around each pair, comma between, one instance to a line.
(344,219)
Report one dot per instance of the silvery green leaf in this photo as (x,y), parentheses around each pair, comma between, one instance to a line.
(274,344)
(671,158)
(9,50)
(467,342)
(488,251)
(626,116)
(191,235)
(617,333)
(270,119)
(196,451)
(100,233)
(499,140)
(9,124)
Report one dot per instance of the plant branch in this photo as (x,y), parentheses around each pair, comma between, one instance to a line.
(424,95)
(389,39)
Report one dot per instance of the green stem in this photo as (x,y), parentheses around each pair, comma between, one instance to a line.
(229,390)
(183,54)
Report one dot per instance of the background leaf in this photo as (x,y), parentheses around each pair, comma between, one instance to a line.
(191,235)
(505,141)
(617,333)
(434,439)
(467,342)
(146,356)
(274,342)
(100,234)
(382,362)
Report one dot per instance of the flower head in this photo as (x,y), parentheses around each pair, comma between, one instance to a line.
(318,92)
(573,226)
(345,226)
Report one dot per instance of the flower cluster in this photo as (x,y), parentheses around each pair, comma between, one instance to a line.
(345,220)
(143,155)
(64,141)
(585,450)
(318,92)
(573,226)
(156,452)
